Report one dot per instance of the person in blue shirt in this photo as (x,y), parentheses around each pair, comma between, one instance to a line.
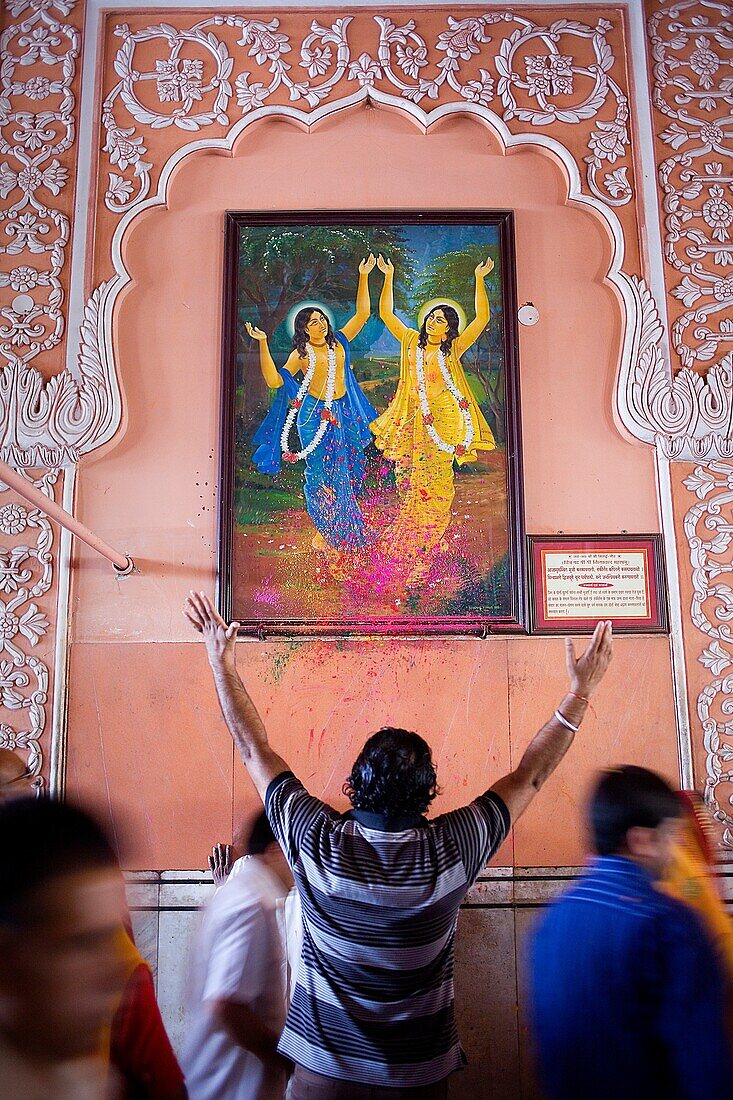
(626,991)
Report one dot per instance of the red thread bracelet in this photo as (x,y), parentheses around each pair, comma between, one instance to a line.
(583,699)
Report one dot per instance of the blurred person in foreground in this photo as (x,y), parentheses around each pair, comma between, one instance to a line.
(626,990)
(237,1008)
(221,861)
(61,905)
(381,886)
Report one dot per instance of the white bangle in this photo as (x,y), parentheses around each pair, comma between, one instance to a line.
(564,722)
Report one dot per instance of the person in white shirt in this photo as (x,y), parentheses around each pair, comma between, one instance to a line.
(238,1002)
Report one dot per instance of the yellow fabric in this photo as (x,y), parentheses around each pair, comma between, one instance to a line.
(423,472)
(391,429)
(689,879)
(131,958)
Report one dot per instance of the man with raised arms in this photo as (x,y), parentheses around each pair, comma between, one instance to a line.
(381,885)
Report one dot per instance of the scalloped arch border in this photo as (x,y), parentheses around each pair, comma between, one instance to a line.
(623,284)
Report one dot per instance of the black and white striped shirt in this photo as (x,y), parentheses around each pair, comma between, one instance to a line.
(373,1001)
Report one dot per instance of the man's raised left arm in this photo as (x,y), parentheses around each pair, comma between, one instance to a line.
(549,745)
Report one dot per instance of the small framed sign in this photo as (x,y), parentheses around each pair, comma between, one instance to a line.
(578,579)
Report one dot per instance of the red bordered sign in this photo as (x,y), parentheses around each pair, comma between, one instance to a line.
(578,579)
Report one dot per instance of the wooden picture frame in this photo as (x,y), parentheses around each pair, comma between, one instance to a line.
(617,577)
(421,545)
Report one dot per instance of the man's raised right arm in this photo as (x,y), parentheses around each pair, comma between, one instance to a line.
(240,714)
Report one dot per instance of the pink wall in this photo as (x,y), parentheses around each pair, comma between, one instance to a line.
(144,732)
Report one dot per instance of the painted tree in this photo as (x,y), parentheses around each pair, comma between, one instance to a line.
(452,275)
(281,266)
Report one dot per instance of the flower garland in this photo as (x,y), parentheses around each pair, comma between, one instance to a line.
(296,404)
(460,400)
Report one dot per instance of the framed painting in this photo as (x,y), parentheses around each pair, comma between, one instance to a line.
(370,475)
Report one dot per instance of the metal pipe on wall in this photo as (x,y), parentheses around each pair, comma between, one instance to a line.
(123,563)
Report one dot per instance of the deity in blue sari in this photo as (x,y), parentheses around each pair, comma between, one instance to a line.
(318,397)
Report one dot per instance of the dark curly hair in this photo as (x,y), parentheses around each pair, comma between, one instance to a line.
(451,316)
(300,336)
(393,774)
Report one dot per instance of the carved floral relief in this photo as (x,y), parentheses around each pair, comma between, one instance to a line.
(212,73)
(26,621)
(691,52)
(48,416)
(39,50)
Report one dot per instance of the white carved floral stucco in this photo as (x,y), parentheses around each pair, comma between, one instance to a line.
(708,527)
(692,49)
(33,231)
(687,416)
(44,421)
(26,579)
(39,412)
(528,72)
(686,406)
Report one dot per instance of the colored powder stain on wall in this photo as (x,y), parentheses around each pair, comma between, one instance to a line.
(281,660)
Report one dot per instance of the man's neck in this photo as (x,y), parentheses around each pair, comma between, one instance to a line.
(387,823)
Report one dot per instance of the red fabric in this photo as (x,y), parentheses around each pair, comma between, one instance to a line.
(140,1048)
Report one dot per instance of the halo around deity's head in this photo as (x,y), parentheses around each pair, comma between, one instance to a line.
(290,319)
(425,310)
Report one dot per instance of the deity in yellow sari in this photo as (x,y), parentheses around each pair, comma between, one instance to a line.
(432,421)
